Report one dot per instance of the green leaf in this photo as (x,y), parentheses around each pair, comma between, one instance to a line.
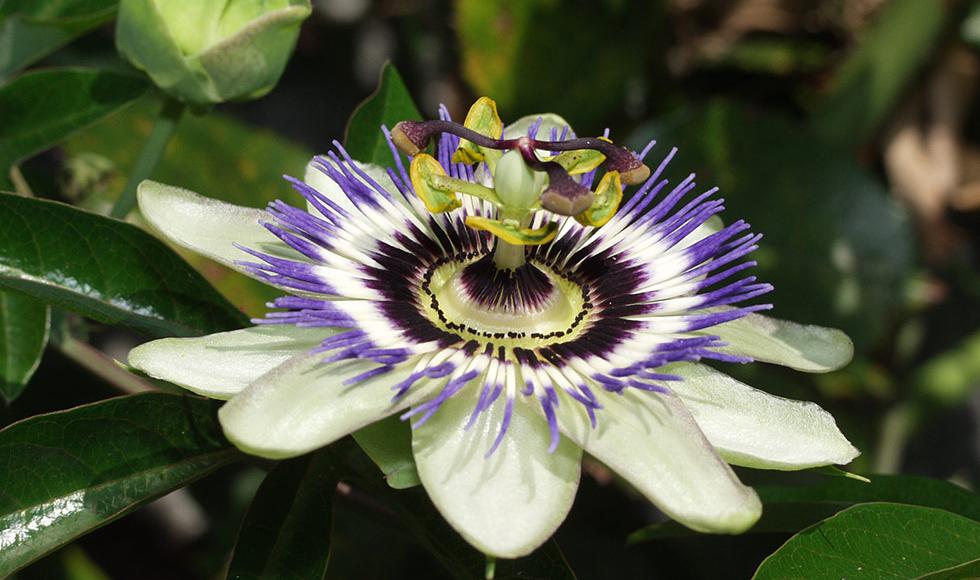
(66,473)
(869,84)
(877,540)
(788,509)
(814,206)
(32,29)
(970,569)
(105,269)
(24,324)
(231,161)
(41,108)
(389,444)
(390,103)
(286,533)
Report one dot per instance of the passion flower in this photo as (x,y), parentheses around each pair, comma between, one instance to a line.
(501,297)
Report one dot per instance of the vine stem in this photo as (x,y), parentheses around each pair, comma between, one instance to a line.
(102,365)
(150,156)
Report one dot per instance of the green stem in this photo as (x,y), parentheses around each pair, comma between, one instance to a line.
(150,156)
(897,427)
(102,365)
(491,568)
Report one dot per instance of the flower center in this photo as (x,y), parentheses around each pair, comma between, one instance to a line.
(527,307)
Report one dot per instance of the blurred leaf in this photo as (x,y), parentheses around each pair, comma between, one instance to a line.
(389,444)
(69,472)
(951,377)
(41,108)
(32,29)
(214,155)
(778,55)
(389,104)
(68,563)
(24,324)
(874,76)
(532,56)
(788,509)
(836,247)
(286,533)
(877,540)
(970,29)
(105,269)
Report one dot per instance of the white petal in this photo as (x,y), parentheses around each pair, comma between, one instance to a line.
(814,349)
(549,121)
(304,404)
(208,226)
(652,441)
(755,429)
(220,365)
(507,504)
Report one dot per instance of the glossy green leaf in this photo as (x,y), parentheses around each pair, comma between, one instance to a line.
(32,29)
(67,473)
(231,161)
(788,509)
(389,444)
(814,206)
(105,269)
(874,77)
(877,540)
(24,324)
(390,103)
(41,108)
(286,533)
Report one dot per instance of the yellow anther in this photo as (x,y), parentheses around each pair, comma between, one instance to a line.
(422,171)
(579,161)
(512,233)
(608,195)
(482,118)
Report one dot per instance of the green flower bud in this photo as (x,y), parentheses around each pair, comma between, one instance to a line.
(210,51)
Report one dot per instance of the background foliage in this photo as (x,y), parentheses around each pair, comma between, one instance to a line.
(847,132)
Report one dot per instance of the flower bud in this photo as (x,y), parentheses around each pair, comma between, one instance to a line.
(210,51)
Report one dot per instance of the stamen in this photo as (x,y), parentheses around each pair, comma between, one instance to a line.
(413,136)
